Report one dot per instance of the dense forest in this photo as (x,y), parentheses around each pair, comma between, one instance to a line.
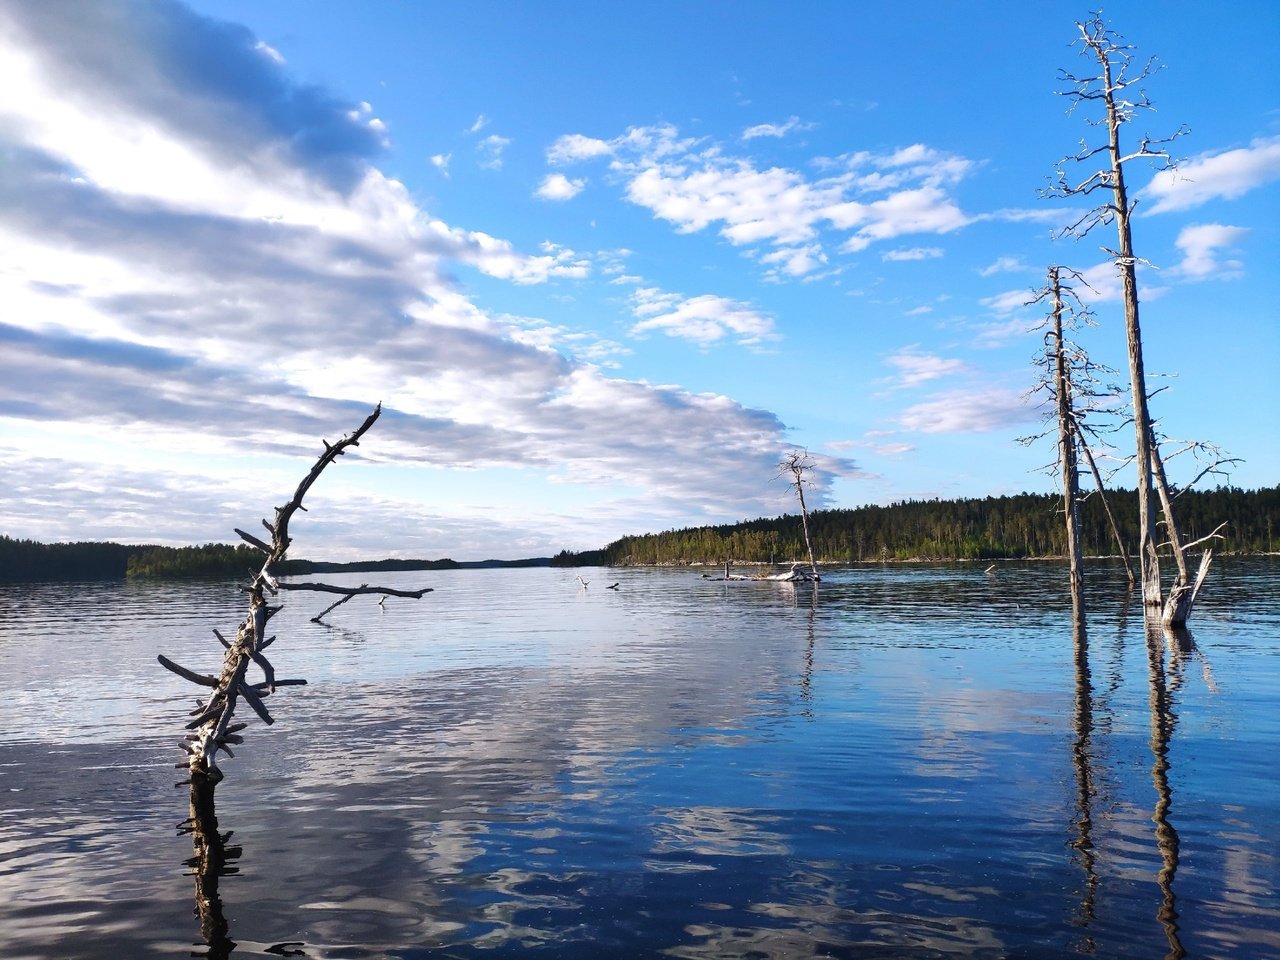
(1022,526)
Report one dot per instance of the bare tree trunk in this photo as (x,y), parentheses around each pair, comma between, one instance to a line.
(1148,560)
(797,463)
(1067,453)
(1097,478)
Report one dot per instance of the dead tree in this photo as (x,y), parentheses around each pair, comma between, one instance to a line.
(212,726)
(796,464)
(1115,88)
(1059,376)
(1078,398)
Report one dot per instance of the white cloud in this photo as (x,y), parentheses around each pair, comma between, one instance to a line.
(268,51)
(490,150)
(574,147)
(441,162)
(479,124)
(915,367)
(1229,174)
(1009,301)
(156,222)
(1003,265)
(1200,244)
(774,129)
(913,253)
(967,411)
(704,320)
(867,198)
(557,186)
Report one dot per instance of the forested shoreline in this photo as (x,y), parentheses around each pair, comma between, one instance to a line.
(24,561)
(1023,526)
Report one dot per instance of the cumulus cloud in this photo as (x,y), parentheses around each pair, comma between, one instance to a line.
(1200,245)
(860,198)
(574,147)
(1227,174)
(557,186)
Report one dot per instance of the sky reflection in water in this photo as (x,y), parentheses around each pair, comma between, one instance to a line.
(916,762)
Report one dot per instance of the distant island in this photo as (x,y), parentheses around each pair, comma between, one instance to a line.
(1024,526)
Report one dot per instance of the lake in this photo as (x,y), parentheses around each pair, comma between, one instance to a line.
(905,761)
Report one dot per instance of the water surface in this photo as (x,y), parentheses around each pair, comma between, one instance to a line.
(908,761)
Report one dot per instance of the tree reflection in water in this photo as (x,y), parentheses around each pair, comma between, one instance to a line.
(214,859)
(1163,722)
(1082,758)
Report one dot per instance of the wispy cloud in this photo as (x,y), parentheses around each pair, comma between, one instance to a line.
(1227,174)
(704,319)
(775,129)
(977,410)
(1003,265)
(490,150)
(912,253)
(915,367)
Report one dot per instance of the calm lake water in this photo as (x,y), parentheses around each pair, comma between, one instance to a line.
(905,762)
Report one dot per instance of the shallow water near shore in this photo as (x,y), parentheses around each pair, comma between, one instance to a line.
(906,761)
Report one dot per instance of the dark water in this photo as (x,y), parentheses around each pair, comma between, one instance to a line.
(910,762)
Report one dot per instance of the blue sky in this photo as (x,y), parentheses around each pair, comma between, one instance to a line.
(602,264)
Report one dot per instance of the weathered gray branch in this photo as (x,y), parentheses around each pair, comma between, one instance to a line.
(212,718)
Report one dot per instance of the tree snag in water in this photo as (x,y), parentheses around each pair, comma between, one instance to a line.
(214,732)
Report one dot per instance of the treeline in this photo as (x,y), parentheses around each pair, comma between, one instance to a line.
(28,560)
(1023,526)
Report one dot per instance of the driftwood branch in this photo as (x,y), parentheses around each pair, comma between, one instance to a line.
(357,591)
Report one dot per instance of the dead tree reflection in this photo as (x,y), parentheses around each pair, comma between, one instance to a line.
(1163,722)
(214,858)
(1082,758)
